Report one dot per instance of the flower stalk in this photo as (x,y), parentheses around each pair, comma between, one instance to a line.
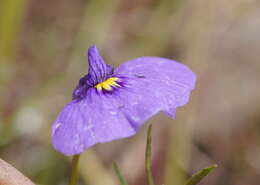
(74,170)
(148,157)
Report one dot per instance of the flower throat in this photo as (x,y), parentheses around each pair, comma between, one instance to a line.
(108,84)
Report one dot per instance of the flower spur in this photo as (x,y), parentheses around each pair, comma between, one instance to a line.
(111,104)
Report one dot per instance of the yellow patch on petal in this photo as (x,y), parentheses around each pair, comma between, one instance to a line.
(108,84)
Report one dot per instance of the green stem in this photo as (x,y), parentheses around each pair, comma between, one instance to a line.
(119,175)
(74,170)
(148,157)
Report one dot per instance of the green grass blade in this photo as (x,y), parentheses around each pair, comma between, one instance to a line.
(119,175)
(197,177)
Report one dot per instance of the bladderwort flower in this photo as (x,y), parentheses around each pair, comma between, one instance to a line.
(110,104)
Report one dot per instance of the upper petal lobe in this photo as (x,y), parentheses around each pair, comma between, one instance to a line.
(98,70)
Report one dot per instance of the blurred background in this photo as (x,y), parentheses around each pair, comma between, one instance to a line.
(43,54)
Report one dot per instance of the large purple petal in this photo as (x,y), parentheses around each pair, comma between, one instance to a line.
(95,119)
(154,84)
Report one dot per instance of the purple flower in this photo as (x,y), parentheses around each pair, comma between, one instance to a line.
(112,104)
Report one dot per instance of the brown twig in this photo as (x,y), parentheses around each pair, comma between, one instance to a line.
(11,176)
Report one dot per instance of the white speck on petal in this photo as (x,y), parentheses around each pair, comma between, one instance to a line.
(88,127)
(57,125)
(113,112)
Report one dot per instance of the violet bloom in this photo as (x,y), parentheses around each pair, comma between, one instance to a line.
(112,104)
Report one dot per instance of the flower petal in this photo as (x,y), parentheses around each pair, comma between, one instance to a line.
(96,119)
(155,84)
(98,70)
